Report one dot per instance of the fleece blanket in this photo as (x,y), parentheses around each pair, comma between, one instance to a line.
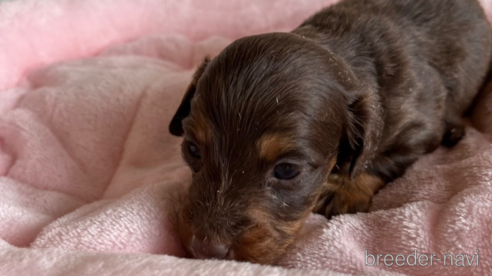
(89,173)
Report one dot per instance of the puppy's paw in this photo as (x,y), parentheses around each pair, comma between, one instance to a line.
(343,196)
(338,203)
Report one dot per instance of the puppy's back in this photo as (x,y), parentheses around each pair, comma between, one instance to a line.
(452,37)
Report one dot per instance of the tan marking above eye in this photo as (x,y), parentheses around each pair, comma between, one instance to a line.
(200,129)
(271,146)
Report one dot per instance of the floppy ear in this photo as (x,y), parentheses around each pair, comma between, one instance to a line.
(176,126)
(364,129)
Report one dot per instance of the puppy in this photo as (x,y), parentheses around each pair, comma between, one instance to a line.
(280,125)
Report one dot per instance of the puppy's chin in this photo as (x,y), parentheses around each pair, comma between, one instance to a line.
(264,245)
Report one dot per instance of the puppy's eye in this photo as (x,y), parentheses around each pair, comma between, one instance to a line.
(285,171)
(194,151)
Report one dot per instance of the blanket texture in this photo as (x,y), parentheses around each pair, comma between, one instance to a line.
(89,172)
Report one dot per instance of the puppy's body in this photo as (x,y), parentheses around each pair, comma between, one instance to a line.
(422,61)
(283,124)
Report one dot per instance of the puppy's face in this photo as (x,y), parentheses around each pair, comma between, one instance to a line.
(262,125)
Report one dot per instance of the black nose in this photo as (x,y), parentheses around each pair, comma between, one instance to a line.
(204,249)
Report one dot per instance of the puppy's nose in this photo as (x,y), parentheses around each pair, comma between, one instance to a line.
(203,249)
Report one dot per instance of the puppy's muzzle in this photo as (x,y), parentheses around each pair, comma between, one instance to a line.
(206,249)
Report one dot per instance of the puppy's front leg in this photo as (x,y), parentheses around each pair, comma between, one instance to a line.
(341,195)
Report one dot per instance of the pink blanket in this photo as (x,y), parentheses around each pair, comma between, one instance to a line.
(89,173)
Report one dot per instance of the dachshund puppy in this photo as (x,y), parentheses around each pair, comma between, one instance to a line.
(280,125)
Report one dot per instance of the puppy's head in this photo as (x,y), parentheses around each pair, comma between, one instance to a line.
(263,124)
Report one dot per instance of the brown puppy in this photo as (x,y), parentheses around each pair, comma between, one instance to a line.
(283,124)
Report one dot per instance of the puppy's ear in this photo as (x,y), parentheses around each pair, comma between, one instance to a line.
(176,126)
(364,129)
